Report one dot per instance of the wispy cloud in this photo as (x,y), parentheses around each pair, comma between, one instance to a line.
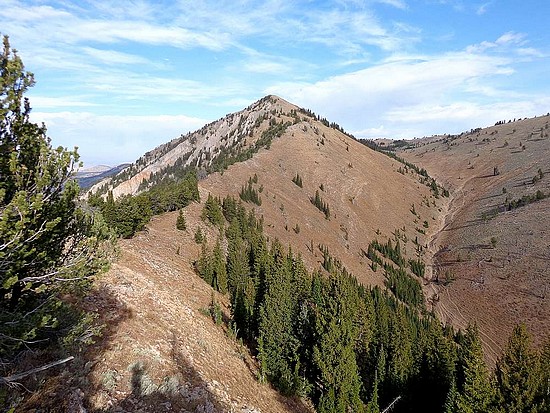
(400,4)
(46,102)
(129,136)
(483,8)
(419,89)
(112,57)
(504,42)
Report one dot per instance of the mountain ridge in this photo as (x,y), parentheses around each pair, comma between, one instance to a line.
(199,148)
(321,193)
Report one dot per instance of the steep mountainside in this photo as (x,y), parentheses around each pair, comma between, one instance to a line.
(369,194)
(212,148)
(496,239)
(162,347)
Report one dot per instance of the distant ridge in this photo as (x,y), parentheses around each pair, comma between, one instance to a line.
(87,177)
(216,145)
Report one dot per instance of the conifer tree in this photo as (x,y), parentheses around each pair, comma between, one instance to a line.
(279,349)
(372,405)
(298,180)
(219,279)
(517,374)
(334,353)
(474,392)
(212,211)
(48,244)
(543,397)
(204,264)
(400,351)
(180,221)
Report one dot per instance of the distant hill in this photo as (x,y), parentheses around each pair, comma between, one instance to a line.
(87,177)
(496,240)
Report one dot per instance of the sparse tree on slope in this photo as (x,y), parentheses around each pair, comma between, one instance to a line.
(180,221)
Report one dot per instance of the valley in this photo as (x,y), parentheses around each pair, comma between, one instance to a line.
(498,252)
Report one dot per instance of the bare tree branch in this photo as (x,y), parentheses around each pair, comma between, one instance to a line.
(19,376)
(392,405)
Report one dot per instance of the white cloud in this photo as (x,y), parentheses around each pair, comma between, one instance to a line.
(112,57)
(46,102)
(483,8)
(110,139)
(400,82)
(400,4)
(511,38)
(411,95)
(44,24)
(529,52)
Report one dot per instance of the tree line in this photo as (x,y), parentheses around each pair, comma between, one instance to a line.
(347,347)
(129,214)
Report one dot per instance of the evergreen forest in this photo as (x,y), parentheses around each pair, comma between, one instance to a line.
(348,347)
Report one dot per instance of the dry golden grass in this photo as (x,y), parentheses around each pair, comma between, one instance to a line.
(500,260)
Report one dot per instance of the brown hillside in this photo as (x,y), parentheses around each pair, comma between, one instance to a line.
(500,258)
(160,338)
(164,340)
(362,187)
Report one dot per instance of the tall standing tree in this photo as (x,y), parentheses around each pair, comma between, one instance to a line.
(473,393)
(338,383)
(48,245)
(517,374)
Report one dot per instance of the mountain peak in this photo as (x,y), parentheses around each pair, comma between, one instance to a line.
(233,138)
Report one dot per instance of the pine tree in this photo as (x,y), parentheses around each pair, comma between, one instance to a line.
(372,405)
(279,349)
(434,381)
(475,394)
(517,374)
(543,397)
(212,211)
(180,221)
(199,236)
(298,180)
(48,244)
(400,356)
(204,264)
(219,279)
(334,355)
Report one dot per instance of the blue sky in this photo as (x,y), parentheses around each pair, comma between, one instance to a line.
(118,78)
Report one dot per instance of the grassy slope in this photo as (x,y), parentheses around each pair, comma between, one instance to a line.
(160,302)
(506,284)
